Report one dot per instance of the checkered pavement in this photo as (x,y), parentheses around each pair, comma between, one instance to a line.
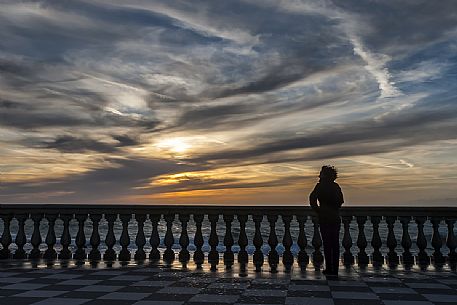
(170,286)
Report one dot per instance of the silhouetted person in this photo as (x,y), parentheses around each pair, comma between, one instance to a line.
(330,198)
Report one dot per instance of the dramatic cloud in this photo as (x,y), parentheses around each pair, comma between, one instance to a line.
(226,101)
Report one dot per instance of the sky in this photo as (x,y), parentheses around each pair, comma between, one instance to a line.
(227,102)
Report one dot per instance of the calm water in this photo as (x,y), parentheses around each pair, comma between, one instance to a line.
(221,232)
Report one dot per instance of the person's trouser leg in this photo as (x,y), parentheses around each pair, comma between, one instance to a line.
(330,240)
(335,252)
(326,240)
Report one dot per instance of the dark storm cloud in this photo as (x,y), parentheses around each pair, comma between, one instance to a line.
(213,116)
(29,116)
(97,184)
(70,144)
(125,140)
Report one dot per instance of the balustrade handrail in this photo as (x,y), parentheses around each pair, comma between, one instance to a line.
(213,209)
(357,216)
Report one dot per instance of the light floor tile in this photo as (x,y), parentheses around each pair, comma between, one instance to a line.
(79,282)
(62,276)
(398,302)
(450,298)
(401,290)
(100,288)
(24,286)
(62,301)
(428,285)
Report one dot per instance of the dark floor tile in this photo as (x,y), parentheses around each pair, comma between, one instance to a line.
(268,286)
(148,289)
(82,294)
(221,291)
(8,292)
(110,302)
(190,284)
(168,297)
(44,281)
(309,282)
(400,296)
(19,301)
(308,293)
(356,302)
(351,288)
(261,300)
(62,287)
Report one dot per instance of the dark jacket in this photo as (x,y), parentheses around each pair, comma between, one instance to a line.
(330,199)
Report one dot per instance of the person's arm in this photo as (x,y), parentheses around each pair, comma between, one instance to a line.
(339,196)
(313,198)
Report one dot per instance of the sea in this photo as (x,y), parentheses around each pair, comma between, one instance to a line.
(265,231)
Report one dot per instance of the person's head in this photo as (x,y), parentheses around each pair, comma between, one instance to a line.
(328,173)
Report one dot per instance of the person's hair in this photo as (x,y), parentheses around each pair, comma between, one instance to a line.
(329,172)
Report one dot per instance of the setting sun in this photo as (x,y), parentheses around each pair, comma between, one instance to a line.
(176,145)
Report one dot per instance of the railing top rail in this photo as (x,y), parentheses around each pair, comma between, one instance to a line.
(212,209)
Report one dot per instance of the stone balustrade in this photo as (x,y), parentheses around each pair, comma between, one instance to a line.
(299,228)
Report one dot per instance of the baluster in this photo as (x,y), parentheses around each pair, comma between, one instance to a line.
(94,254)
(317,244)
(287,256)
(451,243)
(392,256)
(422,258)
(376,242)
(80,240)
(243,257)
(213,256)
(438,258)
(273,256)
(124,240)
(184,255)
(6,236)
(258,242)
(199,256)
(110,239)
(154,255)
(408,259)
(169,254)
(50,240)
(362,257)
(348,258)
(65,239)
(140,239)
(228,241)
(21,239)
(36,236)
(303,258)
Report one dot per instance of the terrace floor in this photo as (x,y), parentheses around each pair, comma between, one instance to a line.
(24,283)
